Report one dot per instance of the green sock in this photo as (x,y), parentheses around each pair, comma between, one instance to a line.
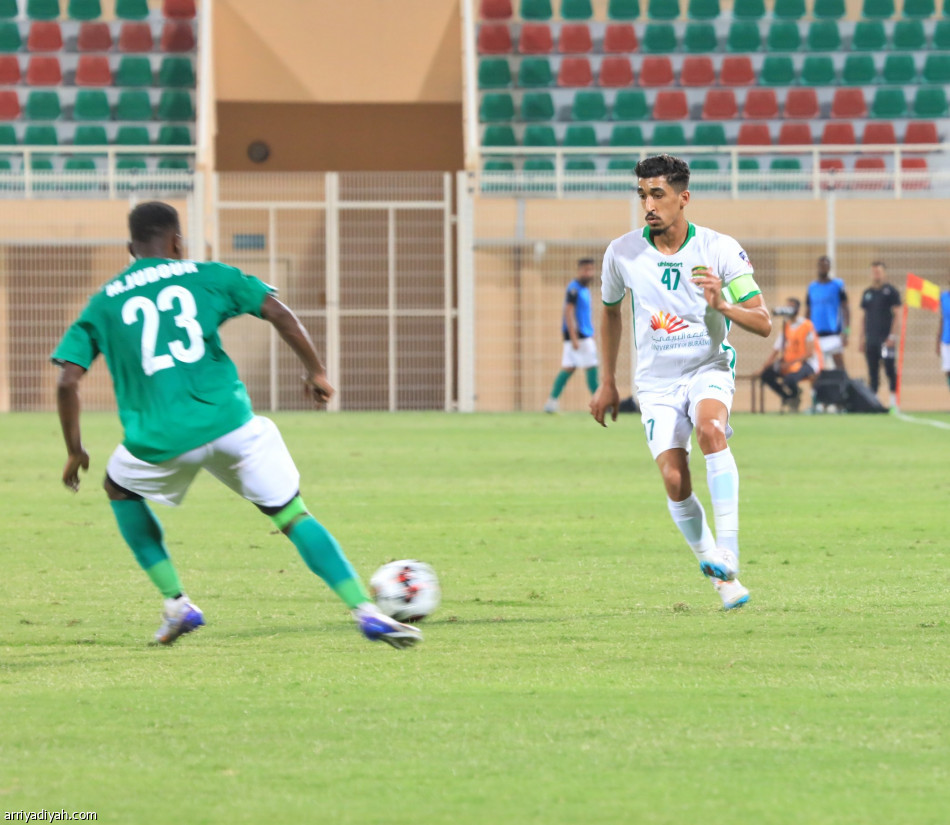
(592,381)
(559,382)
(143,533)
(321,552)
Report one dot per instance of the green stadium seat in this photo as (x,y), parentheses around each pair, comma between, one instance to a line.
(499,136)
(631,104)
(624,165)
(889,102)
(176,71)
(877,9)
(131,9)
(537,106)
(580,135)
(858,70)
(536,9)
(576,10)
(710,134)
(700,167)
(41,163)
(785,165)
(704,165)
(493,73)
(941,38)
(90,135)
(7,135)
(42,9)
(936,68)
(5,165)
(789,9)
(42,105)
(174,163)
(10,40)
(777,70)
(663,9)
(748,165)
(575,163)
(919,8)
(658,38)
(627,136)
(498,165)
(930,101)
(823,36)
(899,69)
(668,134)
(133,70)
(85,9)
(494,108)
(82,163)
(174,136)
(783,36)
(138,136)
(133,104)
(703,9)
(536,164)
(589,106)
(623,9)
(8,9)
(535,72)
(700,38)
(743,37)
(91,104)
(828,9)
(40,134)
(130,163)
(538,135)
(819,70)
(869,36)
(748,9)
(908,36)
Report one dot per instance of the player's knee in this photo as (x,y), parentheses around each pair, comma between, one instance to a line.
(711,435)
(285,516)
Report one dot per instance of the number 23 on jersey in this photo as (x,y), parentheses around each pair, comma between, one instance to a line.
(170,299)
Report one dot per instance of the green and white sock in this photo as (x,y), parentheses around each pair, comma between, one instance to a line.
(722,475)
(592,380)
(688,515)
(559,383)
(143,533)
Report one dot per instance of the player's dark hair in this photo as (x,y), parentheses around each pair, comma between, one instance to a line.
(585,261)
(879,263)
(674,169)
(152,220)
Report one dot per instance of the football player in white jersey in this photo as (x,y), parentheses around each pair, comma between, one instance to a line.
(688,284)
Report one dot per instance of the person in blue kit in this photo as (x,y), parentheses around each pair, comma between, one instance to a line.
(577,329)
(943,334)
(828,310)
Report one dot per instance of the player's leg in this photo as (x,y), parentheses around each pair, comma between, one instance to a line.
(890,370)
(772,378)
(872,354)
(568,365)
(587,358)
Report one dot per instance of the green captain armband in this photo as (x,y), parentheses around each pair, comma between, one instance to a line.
(742,288)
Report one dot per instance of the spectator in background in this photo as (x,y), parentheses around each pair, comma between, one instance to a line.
(943,334)
(577,329)
(828,310)
(878,330)
(795,357)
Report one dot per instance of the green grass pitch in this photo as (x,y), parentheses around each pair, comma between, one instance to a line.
(578,671)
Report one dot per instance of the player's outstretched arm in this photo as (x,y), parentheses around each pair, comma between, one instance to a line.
(752,315)
(67,402)
(607,396)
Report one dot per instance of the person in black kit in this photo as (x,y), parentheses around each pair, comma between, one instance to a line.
(878,332)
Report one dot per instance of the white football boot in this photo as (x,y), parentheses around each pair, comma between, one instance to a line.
(719,564)
(378,627)
(732,593)
(551,405)
(179,617)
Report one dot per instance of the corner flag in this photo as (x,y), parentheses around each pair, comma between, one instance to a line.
(922,293)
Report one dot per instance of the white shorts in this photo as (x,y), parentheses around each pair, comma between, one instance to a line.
(830,344)
(252,460)
(669,417)
(945,356)
(583,357)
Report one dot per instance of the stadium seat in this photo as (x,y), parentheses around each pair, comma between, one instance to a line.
(9,105)
(8,9)
(84,9)
(493,73)
(620,38)
(870,173)
(930,101)
(40,134)
(888,102)
(743,37)
(177,36)
(837,131)
(134,71)
(133,104)
(538,135)
(858,70)
(720,104)
(574,39)
(748,9)
(45,36)
(760,104)
(10,40)
(877,9)
(697,70)
(919,8)
(831,165)
(847,103)
(777,70)
(137,37)
(535,38)
(795,134)
(936,68)
(575,71)
(181,136)
(90,135)
(91,104)
(876,133)
(828,9)
(658,38)
(908,36)
(174,71)
(700,38)
(174,163)
(138,136)
(9,70)
(789,9)
(801,104)
(42,105)
(535,9)
(656,71)
(576,10)
(710,134)
(785,164)
(869,163)
(921,131)
(899,69)
(83,163)
(498,165)
(589,106)
(496,108)
(736,70)
(7,135)
(94,37)
(131,9)
(130,163)
(663,9)
(535,73)
(180,9)
(668,134)
(823,36)
(627,136)
(537,106)
(580,135)
(93,70)
(703,9)
(615,72)
(630,104)
(495,9)
(917,167)
(44,71)
(670,104)
(623,9)
(869,36)
(818,70)
(42,9)
(754,134)
(783,36)
(941,38)
(41,163)
(579,163)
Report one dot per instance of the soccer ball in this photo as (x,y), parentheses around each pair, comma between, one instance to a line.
(406,590)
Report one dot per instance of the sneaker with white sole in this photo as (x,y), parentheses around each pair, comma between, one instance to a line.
(378,627)
(719,564)
(551,405)
(732,593)
(179,617)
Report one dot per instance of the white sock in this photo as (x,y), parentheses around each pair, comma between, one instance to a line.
(722,475)
(690,517)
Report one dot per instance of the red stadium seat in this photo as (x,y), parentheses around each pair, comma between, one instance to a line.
(832,165)
(495,9)
(535,39)
(93,70)
(178,36)
(874,167)
(697,71)
(616,72)
(45,37)
(670,104)
(137,37)
(879,132)
(849,103)
(656,71)
(867,163)
(754,134)
(574,39)
(802,103)
(620,38)
(9,105)
(720,104)
(795,134)
(575,71)
(837,132)
(9,70)
(915,165)
(180,9)
(921,131)
(736,70)
(94,37)
(760,104)
(44,71)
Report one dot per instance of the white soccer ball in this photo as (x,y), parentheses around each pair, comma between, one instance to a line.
(406,590)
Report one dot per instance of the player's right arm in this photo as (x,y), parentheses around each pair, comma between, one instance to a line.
(68,405)
(607,395)
(570,321)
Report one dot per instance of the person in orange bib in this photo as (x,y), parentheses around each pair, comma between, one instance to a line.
(795,357)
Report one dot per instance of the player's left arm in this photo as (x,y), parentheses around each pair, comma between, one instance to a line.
(845,317)
(68,405)
(750,312)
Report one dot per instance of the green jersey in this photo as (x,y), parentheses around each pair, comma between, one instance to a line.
(156,324)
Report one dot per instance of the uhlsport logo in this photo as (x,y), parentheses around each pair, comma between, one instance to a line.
(667,322)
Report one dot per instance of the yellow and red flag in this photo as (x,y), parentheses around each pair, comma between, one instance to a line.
(922,293)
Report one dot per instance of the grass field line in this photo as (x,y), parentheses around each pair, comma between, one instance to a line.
(912,419)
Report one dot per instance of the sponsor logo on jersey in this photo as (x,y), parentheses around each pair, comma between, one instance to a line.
(669,263)
(667,322)
(745,257)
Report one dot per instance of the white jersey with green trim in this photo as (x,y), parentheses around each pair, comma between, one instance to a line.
(677,333)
